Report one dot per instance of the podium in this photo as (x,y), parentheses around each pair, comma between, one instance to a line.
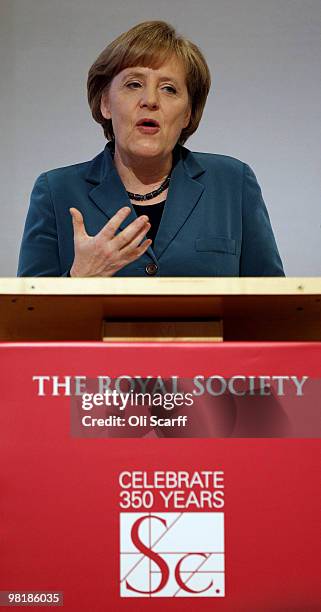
(60,309)
(223,505)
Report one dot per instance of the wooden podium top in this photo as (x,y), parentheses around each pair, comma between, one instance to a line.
(161,286)
(74,309)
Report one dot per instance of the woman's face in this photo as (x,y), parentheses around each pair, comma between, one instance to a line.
(148,107)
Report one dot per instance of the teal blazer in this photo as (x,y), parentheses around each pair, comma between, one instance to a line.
(214,223)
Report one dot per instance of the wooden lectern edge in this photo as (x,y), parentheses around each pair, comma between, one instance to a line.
(175,286)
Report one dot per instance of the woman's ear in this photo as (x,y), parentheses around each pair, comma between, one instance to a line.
(104,105)
(187,116)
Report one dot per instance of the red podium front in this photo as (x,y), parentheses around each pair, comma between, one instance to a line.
(152,513)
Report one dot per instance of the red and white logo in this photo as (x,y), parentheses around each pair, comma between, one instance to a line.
(169,554)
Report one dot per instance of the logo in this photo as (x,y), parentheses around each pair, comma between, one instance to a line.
(170,554)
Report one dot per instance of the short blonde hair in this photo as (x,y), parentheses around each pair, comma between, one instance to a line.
(149,44)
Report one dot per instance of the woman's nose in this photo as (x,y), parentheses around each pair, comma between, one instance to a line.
(149,97)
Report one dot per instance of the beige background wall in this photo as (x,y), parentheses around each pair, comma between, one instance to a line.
(265,107)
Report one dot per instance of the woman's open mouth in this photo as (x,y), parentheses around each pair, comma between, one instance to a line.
(148,126)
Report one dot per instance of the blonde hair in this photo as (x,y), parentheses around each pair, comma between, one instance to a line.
(149,44)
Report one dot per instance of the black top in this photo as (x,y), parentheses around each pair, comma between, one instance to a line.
(154,213)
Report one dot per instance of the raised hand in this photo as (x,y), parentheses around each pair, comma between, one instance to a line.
(106,253)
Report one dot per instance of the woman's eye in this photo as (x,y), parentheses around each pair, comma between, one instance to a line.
(170,89)
(133,85)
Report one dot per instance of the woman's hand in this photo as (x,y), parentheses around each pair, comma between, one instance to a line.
(106,253)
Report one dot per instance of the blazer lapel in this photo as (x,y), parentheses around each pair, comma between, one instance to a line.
(108,192)
(183,194)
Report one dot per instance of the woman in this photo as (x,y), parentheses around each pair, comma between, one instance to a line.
(147,206)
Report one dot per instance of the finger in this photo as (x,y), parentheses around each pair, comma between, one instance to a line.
(111,227)
(135,242)
(143,247)
(138,252)
(130,232)
(78,223)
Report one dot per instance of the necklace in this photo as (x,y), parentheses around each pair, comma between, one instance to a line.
(147,196)
(152,194)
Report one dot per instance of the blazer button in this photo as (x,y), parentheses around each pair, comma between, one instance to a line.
(151,269)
